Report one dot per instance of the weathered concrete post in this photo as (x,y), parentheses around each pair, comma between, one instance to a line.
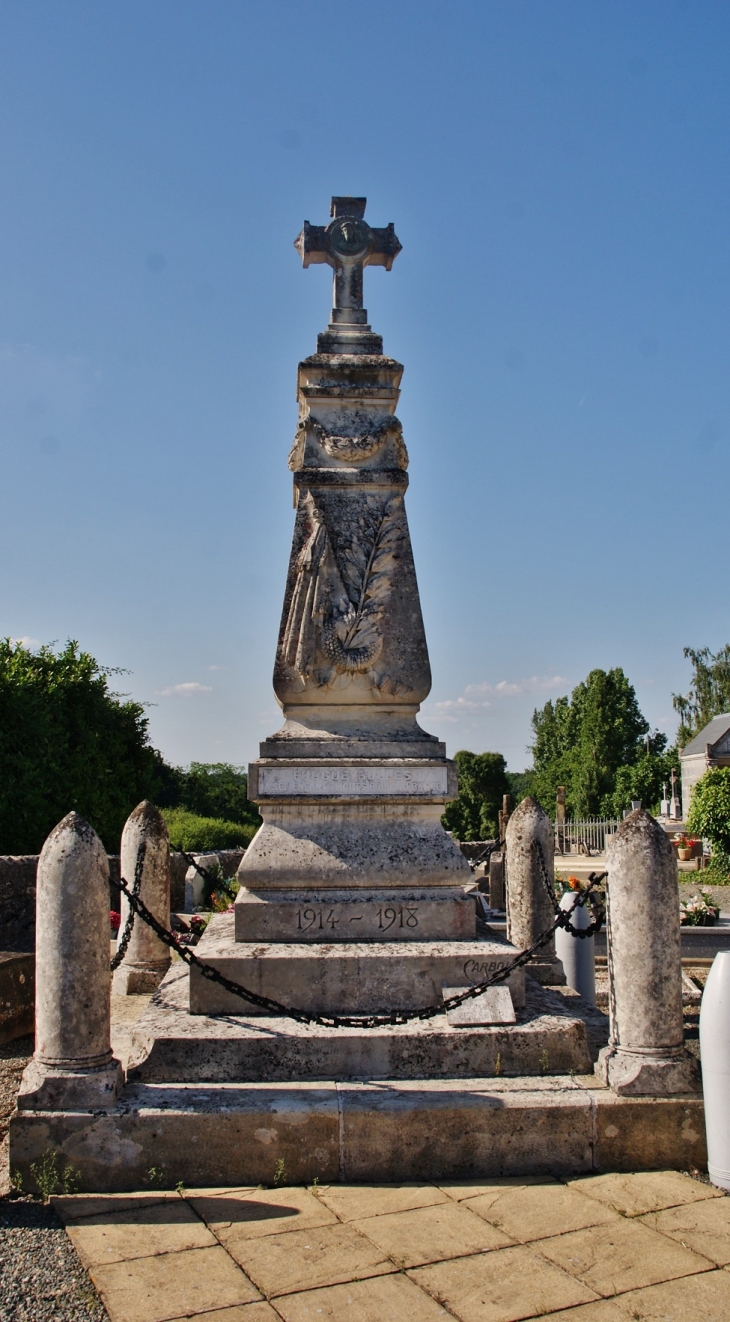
(73,1067)
(147,959)
(529,909)
(645,1055)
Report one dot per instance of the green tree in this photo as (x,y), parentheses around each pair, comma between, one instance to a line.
(68,742)
(216,789)
(582,741)
(709,815)
(521,785)
(482,783)
(709,691)
(644,778)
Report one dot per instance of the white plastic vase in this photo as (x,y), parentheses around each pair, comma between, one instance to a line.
(715,1055)
(577,953)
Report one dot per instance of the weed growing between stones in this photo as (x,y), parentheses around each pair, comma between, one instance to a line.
(279,1173)
(50,1179)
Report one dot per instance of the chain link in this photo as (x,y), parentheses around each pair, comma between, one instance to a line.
(392,1018)
(564,915)
(122,945)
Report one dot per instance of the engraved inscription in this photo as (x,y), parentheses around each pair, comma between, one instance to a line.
(475,972)
(401,915)
(352,781)
(319,918)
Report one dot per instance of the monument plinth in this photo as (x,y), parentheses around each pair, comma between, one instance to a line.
(351,789)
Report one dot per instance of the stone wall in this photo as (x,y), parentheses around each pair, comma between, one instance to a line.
(472,849)
(17,891)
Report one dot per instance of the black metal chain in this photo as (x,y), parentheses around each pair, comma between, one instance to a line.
(564,915)
(485,854)
(122,945)
(343,1021)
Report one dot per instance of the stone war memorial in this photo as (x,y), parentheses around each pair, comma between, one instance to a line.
(359,1016)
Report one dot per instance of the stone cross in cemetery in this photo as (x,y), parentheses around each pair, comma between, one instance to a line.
(351,789)
(347,244)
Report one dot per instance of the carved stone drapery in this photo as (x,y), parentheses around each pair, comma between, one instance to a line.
(349,448)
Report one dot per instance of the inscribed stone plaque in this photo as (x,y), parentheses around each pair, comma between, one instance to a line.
(350,782)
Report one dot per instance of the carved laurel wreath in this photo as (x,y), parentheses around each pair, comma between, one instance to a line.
(349,448)
(352,639)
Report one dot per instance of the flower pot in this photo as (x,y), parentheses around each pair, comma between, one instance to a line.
(684,854)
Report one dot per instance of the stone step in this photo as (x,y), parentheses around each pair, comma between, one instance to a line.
(554,1033)
(343,977)
(388,1132)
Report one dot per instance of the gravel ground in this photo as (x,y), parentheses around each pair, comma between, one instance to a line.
(41,1278)
(14,1057)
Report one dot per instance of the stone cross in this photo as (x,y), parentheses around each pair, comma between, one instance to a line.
(348,244)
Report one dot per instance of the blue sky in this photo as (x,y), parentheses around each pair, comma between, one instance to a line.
(558,175)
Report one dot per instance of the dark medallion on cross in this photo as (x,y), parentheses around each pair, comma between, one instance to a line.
(348,244)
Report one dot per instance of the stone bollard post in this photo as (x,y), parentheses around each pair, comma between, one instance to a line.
(147,959)
(529,908)
(73,1068)
(496,880)
(645,1055)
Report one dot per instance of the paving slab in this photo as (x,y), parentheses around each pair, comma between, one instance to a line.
(605,1310)
(639,1192)
(356,1201)
(702,1226)
(169,1285)
(262,1312)
(693,1299)
(382,1300)
(432,1234)
(141,1232)
(624,1255)
(237,1218)
(501,1286)
(308,1259)
(538,1212)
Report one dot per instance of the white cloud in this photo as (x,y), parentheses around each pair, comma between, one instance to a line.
(184,690)
(479,697)
(28,643)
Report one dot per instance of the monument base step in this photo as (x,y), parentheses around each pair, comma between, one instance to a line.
(389,1132)
(436,913)
(369,977)
(553,1034)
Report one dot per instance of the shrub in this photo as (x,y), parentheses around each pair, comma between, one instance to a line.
(68,742)
(709,815)
(194,834)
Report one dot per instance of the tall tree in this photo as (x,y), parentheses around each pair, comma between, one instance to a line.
(67,741)
(709,691)
(482,783)
(582,741)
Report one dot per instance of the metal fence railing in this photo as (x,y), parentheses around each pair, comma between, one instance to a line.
(587,836)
